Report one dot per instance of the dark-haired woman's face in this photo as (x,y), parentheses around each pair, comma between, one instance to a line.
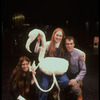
(25,66)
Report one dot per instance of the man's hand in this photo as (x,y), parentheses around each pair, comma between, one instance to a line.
(72,82)
(83,57)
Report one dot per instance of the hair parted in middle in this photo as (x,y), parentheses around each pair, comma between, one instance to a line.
(52,48)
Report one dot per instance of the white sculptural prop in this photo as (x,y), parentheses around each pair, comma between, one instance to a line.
(48,65)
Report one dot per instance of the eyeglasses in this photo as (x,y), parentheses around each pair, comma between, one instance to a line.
(69,43)
(25,64)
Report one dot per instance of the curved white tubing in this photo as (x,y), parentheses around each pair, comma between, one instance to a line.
(57,86)
(54,82)
(40,87)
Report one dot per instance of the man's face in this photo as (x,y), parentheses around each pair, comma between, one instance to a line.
(69,44)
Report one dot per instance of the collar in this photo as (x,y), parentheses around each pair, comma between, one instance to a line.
(57,45)
(71,52)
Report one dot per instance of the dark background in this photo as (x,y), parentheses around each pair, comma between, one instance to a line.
(51,13)
(55,13)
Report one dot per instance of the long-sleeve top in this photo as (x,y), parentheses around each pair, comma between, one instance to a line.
(77,68)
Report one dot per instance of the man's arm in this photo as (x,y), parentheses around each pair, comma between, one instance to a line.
(82,72)
(83,54)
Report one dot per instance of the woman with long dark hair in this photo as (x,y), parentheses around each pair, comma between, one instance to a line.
(22,85)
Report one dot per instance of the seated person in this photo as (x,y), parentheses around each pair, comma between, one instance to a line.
(22,85)
(76,70)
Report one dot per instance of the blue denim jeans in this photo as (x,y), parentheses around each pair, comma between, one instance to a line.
(62,81)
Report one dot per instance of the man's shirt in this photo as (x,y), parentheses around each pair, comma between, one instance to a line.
(77,68)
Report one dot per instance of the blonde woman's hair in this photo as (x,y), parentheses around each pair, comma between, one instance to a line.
(52,48)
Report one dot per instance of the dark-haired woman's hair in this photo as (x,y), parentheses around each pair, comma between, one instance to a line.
(17,82)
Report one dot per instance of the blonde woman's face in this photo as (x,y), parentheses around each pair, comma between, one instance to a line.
(25,66)
(58,36)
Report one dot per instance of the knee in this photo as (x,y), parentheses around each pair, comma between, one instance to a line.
(64,84)
(76,91)
(73,93)
(66,81)
(69,93)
